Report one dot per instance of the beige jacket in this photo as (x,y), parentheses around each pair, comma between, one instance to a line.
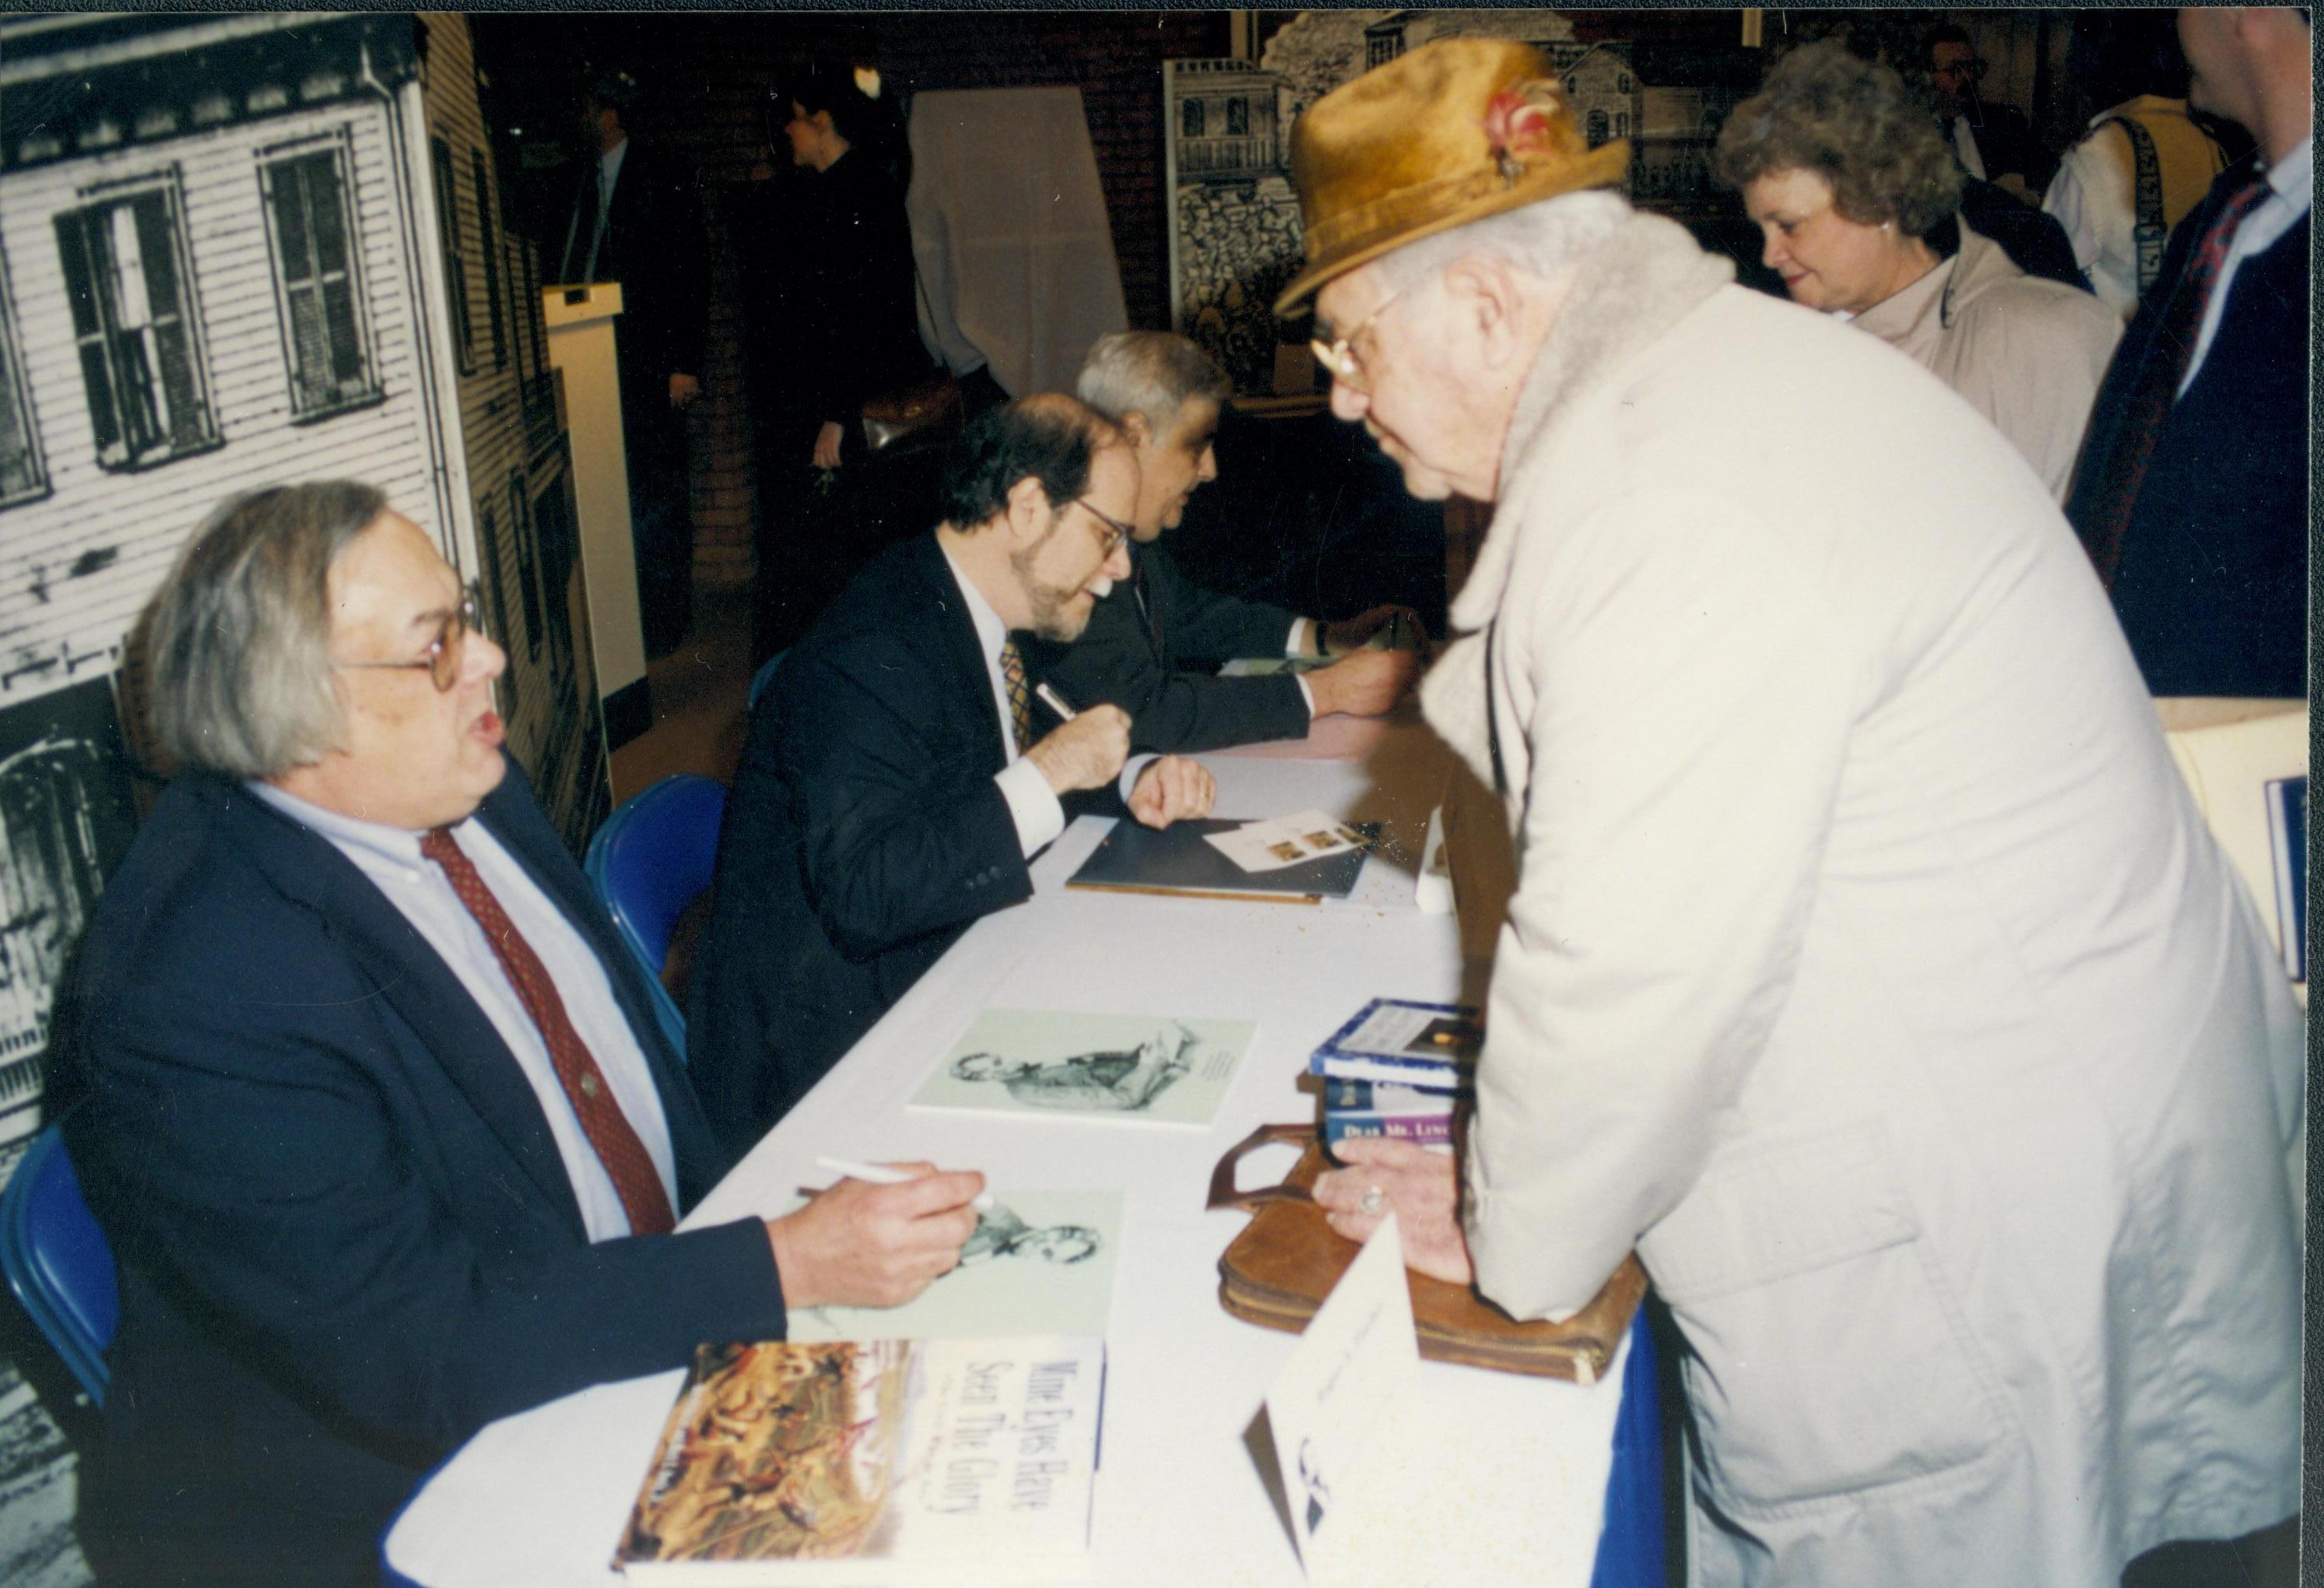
(2028,354)
(1869,968)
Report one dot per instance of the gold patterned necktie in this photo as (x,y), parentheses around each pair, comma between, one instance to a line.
(1020,694)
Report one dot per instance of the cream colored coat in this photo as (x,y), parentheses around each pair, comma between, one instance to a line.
(2028,354)
(1869,968)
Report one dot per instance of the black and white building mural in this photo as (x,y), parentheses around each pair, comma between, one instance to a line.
(237,250)
(1234,216)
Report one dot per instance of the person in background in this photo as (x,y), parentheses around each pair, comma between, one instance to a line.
(2143,165)
(1989,141)
(1166,394)
(1859,204)
(375,1112)
(833,323)
(854,307)
(2191,495)
(637,220)
(1869,971)
(894,787)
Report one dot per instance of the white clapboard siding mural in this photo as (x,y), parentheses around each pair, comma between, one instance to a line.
(237,251)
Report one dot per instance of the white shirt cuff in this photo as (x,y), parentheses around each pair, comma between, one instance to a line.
(1130,770)
(1306,694)
(1032,805)
(1296,645)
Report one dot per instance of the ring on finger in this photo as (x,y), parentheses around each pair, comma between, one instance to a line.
(1374,1199)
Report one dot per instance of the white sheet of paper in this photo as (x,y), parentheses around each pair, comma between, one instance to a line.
(1285,840)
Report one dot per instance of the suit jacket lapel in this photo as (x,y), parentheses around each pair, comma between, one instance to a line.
(958,655)
(413,979)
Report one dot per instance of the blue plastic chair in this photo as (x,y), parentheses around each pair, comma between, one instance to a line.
(1631,1552)
(654,857)
(58,1262)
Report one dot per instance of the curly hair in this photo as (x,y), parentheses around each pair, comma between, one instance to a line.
(1854,124)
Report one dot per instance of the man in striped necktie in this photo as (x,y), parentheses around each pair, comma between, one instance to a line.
(379,1123)
(899,778)
(2191,491)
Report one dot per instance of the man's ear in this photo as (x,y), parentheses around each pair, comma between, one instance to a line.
(1484,294)
(1028,513)
(1135,427)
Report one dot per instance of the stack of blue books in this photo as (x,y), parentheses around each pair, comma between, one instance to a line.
(1399,1069)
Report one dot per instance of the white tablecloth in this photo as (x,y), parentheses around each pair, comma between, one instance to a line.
(1503,1482)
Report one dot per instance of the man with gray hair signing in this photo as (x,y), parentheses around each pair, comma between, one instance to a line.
(1166,394)
(378,1121)
(1869,969)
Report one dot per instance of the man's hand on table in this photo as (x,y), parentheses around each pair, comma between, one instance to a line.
(865,1245)
(1172,788)
(1364,683)
(1086,753)
(1420,1187)
(1351,633)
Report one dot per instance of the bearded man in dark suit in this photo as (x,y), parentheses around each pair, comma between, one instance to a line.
(899,776)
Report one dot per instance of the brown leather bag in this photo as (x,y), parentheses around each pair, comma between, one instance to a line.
(1279,1271)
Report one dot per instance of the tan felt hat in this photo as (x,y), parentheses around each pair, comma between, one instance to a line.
(1453,132)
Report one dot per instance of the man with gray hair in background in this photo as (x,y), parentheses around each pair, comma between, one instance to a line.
(1166,394)
(376,1116)
(1869,969)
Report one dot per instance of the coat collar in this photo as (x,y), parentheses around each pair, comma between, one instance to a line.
(1642,281)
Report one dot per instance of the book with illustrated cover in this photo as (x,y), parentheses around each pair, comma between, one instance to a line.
(1063,1063)
(1431,1047)
(853,1461)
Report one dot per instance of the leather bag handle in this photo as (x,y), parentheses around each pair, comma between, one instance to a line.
(1222,1177)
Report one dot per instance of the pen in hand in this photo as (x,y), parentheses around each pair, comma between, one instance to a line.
(880,1173)
(1054,701)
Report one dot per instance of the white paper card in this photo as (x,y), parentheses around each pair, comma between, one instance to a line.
(1353,1362)
(1286,840)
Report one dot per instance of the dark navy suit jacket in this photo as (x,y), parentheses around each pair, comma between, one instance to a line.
(345,1237)
(2212,581)
(863,835)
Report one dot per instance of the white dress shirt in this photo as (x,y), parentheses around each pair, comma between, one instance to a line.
(418,887)
(2292,184)
(1032,803)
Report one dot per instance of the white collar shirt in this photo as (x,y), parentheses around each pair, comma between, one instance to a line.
(1033,805)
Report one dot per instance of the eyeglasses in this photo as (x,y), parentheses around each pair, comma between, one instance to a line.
(1339,356)
(1116,531)
(442,662)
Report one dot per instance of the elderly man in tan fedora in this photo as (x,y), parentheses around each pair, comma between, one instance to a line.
(1870,970)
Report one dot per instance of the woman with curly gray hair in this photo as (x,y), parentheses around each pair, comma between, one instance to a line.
(1858,202)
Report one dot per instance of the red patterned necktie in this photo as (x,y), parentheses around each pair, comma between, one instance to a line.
(2149,405)
(616,1144)
(1021,697)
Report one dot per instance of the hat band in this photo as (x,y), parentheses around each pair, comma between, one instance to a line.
(1396,210)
